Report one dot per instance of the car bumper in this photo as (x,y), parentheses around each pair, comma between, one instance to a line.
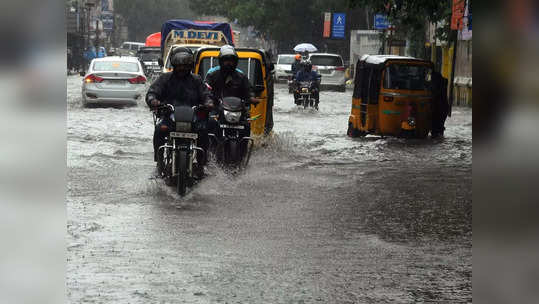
(333,81)
(111,97)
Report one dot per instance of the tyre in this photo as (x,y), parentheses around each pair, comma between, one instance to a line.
(233,152)
(182,160)
(305,103)
(342,88)
(353,132)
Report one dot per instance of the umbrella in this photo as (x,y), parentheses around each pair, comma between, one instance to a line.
(305,47)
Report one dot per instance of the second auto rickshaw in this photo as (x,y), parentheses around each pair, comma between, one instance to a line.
(392,96)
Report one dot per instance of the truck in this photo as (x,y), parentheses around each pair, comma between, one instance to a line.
(193,35)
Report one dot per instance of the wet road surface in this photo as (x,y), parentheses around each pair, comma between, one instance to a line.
(317,218)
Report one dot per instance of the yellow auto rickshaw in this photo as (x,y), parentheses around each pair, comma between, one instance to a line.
(392,96)
(257,66)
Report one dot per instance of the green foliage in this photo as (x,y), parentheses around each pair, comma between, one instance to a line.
(145,17)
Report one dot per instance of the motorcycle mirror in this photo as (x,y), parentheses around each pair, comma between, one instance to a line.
(81,73)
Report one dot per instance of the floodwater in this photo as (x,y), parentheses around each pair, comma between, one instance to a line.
(317,218)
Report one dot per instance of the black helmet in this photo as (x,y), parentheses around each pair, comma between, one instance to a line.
(307,65)
(228,52)
(182,56)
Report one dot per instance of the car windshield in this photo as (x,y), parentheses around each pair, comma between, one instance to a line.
(249,66)
(116,66)
(285,60)
(149,56)
(326,60)
(407,77)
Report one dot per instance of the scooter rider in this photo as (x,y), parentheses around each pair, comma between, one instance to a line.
(184,88)
(306,73)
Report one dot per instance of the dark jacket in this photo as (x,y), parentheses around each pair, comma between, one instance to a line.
(236,84)
(307,76)
(188,91)
(295,67)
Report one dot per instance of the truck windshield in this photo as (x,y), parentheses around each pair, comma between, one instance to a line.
(407,77)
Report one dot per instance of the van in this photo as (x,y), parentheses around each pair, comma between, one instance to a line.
(331,68)
(130,48)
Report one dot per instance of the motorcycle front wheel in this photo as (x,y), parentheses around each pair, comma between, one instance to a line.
(233,152)
(182,159)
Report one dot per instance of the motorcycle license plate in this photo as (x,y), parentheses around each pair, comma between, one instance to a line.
(184,135)
(240,127)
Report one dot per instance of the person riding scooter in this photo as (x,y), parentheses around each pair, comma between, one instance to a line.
(184,88)
(306,73)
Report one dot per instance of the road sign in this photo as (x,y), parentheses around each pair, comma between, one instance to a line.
(339,25)
(327,25)
(381,22)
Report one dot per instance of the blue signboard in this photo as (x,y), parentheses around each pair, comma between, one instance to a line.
(338,28)
(381,22)
(108,21)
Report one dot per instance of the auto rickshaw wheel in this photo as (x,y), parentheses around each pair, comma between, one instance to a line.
(353,132)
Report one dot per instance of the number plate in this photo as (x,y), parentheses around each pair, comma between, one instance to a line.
(183,135)
(240,127)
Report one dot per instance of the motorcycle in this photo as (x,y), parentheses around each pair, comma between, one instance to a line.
(176,158)
(305,95)
(232,144)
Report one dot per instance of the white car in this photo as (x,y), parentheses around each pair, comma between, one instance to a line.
(283,68)
(113,81)
(130,48)
(331,68)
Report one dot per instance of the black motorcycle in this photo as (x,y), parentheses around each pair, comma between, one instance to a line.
(177,156)
(232,143)
(305,95)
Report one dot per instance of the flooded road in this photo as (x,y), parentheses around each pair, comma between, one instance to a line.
(317,218)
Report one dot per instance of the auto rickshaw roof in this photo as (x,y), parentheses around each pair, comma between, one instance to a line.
(263,53)
(382,59)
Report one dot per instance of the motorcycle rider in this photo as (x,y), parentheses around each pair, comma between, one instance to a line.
(228,81)
(296,65)
(306,73)
(184,88)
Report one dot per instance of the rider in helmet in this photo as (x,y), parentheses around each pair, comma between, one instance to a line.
(306,73)
(179,87)
(227,81)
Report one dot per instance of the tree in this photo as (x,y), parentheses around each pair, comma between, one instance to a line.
(145,17)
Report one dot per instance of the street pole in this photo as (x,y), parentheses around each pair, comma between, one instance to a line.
(454,60)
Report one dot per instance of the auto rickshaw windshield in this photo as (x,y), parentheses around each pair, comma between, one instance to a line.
(407,77)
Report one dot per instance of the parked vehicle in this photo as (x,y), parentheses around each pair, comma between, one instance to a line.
(331,67)
(283,68)
(392,96)
(113,81)
(177,156)
(258,68)
(130,48)
(232,144)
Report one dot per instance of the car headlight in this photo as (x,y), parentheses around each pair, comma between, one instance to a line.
(232,117)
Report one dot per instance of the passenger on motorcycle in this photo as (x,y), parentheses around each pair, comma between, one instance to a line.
(306,73)
(183,88)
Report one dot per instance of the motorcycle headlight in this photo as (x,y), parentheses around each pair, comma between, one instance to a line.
(304,90)
(232,117)
(411,121)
